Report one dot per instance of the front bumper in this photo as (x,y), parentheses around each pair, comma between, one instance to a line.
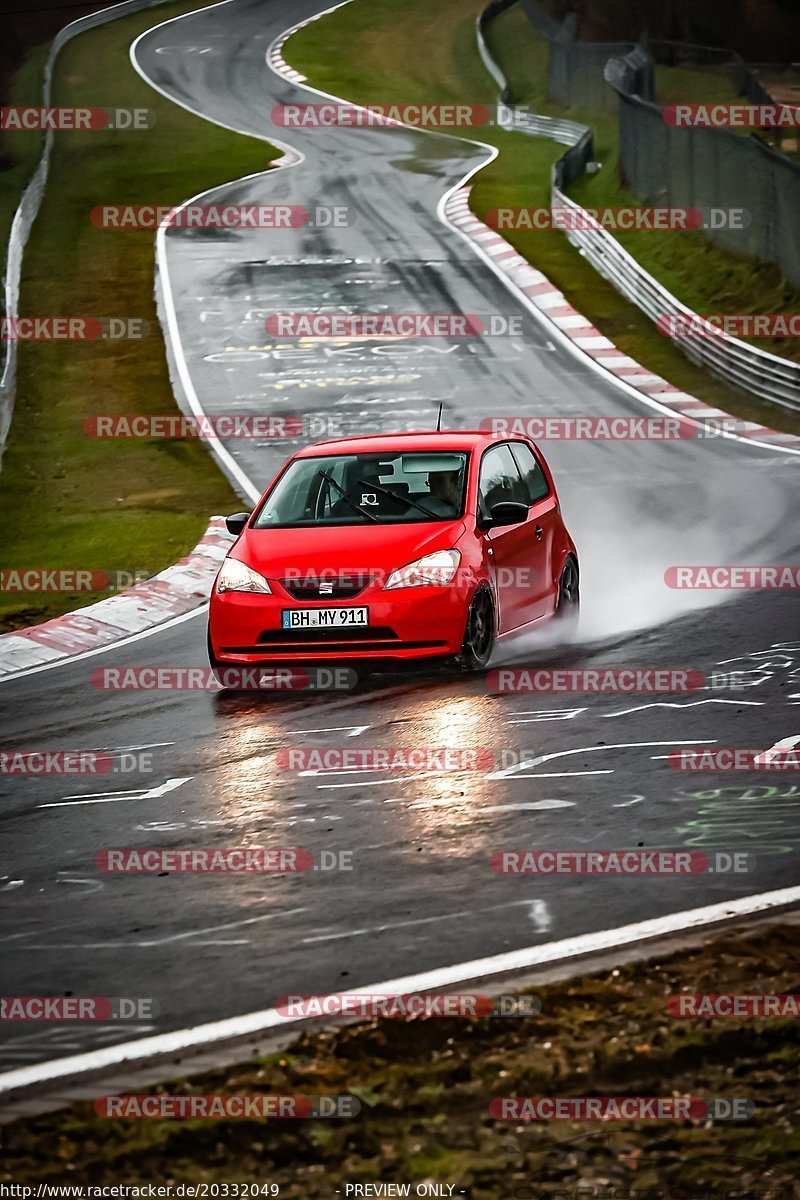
(404,623)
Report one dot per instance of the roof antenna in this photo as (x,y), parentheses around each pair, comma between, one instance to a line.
(439,418)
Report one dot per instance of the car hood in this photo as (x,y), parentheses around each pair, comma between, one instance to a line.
(362,549)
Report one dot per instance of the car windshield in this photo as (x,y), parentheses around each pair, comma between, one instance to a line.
(363,489)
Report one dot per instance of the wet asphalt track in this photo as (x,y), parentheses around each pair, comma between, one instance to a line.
(420,893)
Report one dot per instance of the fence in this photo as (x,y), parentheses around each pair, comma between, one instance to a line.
(745,366)
(684,167)
(712,59)
(576,70)
(739,363)
(31,198)
(558,130)
(712,168)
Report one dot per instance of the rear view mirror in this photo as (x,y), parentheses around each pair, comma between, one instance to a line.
(237,522)
(507,512)
(424,464)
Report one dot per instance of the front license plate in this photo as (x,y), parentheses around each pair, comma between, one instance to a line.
(323,618)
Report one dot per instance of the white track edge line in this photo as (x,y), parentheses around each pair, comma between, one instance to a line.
(205,1036)
(115,645)
(287,149)
(230,465)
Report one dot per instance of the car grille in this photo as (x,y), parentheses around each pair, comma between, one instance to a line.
(344,587)
(335,641)
(308,636)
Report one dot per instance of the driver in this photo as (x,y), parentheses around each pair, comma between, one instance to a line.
(444,493)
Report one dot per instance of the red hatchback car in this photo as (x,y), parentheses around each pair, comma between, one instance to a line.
(394,547)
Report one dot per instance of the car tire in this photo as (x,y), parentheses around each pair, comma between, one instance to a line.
(568,601)
(479,632)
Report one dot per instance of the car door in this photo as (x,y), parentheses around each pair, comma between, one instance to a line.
(509,548)
(539,597)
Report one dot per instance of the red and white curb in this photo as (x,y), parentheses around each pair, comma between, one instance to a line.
(178,590)
(278,62)
(553,305)
(279,65)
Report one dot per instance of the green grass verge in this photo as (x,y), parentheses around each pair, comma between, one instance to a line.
(425,1087)
(367,53)
(692,85)
(69,500)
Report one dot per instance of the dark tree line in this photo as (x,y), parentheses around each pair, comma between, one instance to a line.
(760,30)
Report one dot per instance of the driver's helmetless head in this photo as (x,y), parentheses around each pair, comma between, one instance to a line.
(445,484)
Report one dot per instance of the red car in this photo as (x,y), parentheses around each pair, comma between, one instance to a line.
(394,547)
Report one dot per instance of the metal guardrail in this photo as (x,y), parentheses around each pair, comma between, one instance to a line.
(31,199)
(737,362)
(568,133)
(575,68)
(488,14)
(745,366)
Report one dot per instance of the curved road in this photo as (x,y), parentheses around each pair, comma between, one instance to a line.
(420,893)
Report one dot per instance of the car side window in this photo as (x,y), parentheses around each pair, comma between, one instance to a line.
(500,481)
(535,483)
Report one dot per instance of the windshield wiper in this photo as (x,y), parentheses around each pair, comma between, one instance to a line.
(393,496)
(355,507)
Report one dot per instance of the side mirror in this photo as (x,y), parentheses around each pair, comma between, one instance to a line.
(507,512)
(237,522)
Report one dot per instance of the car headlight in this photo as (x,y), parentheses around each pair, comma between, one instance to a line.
(235,576)
(433,569)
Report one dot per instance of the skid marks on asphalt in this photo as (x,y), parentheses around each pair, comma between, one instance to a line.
(339,387)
